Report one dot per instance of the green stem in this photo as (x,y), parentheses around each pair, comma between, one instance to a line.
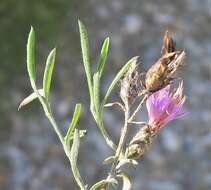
(49,115)
(120,146)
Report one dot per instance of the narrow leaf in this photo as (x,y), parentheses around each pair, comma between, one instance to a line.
(85,55)
(104,183)
(96,94)
(103,56)
(31,57)
(74,158)
(119,76)
(73,123)
(109,160)
(48,72)
(30,98)
(127,184)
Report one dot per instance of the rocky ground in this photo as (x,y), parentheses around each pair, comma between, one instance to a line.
(31,157)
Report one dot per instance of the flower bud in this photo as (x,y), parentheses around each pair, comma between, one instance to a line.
(140,143)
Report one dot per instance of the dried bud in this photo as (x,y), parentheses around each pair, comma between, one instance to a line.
(165,69)
(140,143)
(130,85)
(169,45)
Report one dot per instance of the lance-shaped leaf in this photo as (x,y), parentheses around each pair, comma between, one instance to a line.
(30,98)
(48,72)
(85,55)
(96,94)
(31,57)
(103,56)
(74,158)
(97,76)
(119,75)
(73,123)
(127,184)
(104,183)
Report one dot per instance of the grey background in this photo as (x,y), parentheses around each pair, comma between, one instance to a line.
(30,154)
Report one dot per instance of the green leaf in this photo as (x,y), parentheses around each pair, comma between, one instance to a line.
(103,56)
(73,123)
(30,98)
(31,57)
(96,78)
(96,94)
(85,55)
(127,184)
(119,75)
(74,158)
(104,183)
(48,72)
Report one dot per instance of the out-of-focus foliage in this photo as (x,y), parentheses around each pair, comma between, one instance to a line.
(15,17)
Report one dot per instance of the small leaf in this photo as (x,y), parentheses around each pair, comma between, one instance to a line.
(109,160)
(127,184)
(103,183)
(85,55)
(48,72)
(31,57)
(82,133)
(73,123)
(30,98)
(119,76)
(103,56)
(74,158)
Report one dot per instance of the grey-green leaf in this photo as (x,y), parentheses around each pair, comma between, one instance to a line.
(31,57)
(85,55)
(119,75)
(82,133)
(74,158)
(127,184)
(96,93)
(30,98)
(73,123)
(103,183)
(48,72)
(103,56)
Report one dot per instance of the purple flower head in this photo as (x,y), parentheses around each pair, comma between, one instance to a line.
(164,106)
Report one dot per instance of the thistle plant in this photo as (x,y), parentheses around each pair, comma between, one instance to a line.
(163,104)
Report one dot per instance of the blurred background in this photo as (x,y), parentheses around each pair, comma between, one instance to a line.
(31,157)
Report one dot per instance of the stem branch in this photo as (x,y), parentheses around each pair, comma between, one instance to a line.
(138,108)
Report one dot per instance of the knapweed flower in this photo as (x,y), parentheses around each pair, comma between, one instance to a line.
(164,106)
(165,69)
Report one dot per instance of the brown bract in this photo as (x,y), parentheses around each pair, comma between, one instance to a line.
(130,85)
(166,68)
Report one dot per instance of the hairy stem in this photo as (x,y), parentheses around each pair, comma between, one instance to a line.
(49,115)
(120,146)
